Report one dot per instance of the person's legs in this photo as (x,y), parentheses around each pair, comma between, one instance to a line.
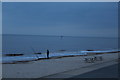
(47,55)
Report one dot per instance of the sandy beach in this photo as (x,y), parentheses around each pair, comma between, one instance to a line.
(41,68)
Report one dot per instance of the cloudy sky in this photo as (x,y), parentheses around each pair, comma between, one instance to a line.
(61,18)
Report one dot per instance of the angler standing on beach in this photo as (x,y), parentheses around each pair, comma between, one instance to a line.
(47,54)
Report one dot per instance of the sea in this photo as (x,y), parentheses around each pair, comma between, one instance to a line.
(66,45)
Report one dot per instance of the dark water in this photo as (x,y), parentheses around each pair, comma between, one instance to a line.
(26,43)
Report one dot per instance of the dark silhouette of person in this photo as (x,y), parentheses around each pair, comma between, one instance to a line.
(47,54)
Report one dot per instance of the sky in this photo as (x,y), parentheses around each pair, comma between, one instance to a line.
(96,19)
(0,19)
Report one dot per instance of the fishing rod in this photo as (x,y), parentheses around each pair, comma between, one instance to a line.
(34,52)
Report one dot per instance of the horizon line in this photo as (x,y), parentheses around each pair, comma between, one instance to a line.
(60,1)
(59,35)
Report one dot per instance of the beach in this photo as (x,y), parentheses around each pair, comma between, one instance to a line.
(40,39)
(41,68)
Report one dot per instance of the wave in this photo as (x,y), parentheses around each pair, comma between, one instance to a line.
(104,51)
(12,59)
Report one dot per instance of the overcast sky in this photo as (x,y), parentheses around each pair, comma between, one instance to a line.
(61,18)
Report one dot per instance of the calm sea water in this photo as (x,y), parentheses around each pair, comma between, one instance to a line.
(29,44)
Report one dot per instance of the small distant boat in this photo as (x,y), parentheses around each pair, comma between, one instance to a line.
(61,37)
